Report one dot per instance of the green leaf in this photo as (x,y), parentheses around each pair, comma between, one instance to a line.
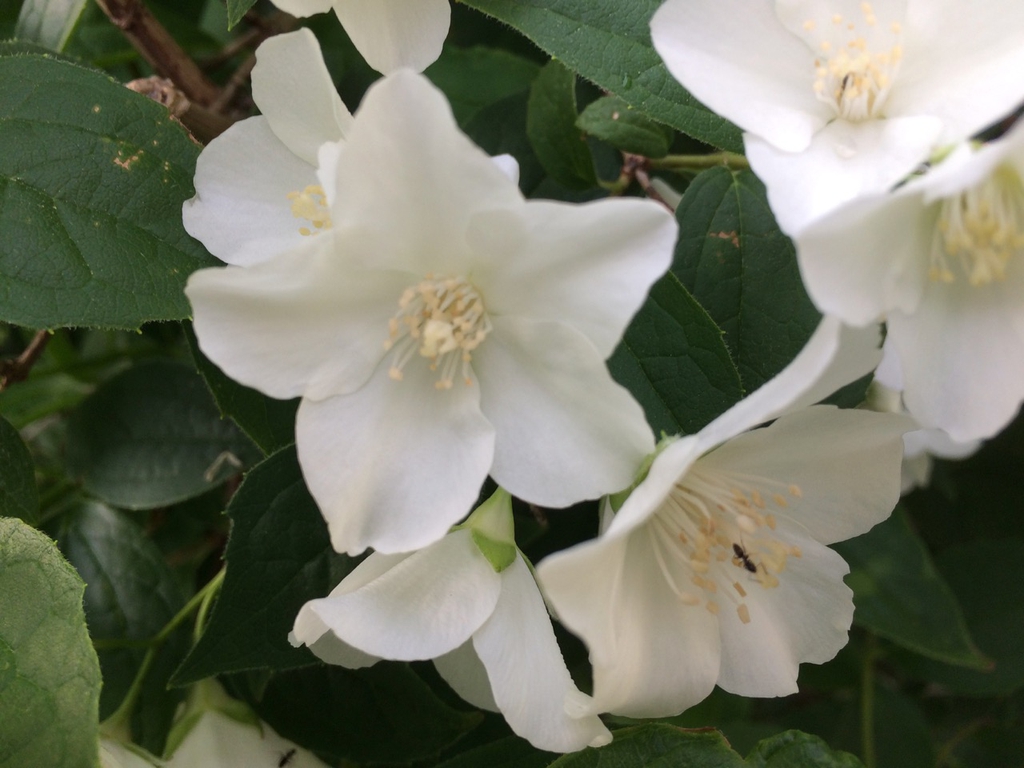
(92,177)
(551,126)
(152,436)
(237,9)
(500,129)
(279,556)
(49,676)
(672,358)
(130,594)
(509,752)
(474,78)
(609,43)
(900,595)
(611,119)
(379,714)
(742,269)
(48,22)
(268,422)
(987,579)
(18,494)
(794,749)
(656,745)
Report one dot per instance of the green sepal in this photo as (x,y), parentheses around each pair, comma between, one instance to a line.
(205,696)
(493,530)
(618,499)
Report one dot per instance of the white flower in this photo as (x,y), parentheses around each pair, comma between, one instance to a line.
(941,259)
(444,329)
(115,754)
(919,446)
(470,603)
(840,98)
(390,34)
(257,192)
(714,569)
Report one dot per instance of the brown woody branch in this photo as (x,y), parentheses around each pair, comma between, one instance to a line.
(157,47)
(15,370)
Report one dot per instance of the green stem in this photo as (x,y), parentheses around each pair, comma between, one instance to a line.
(699,162)
(118,722)
(867,702)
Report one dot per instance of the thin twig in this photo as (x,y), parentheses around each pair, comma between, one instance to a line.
(12,371)
(238,80)
(155,44)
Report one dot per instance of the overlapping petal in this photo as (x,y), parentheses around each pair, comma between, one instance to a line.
(395,464)
(396,33)
(526,671)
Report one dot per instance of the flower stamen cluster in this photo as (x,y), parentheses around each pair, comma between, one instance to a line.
(445,320)
(855,78)
(711,524)
(311,204)
(981,228)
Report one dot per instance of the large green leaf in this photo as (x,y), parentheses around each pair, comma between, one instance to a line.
(509,752)
(475,78)
(379,714)
(92,178)
(49,675)
(269,422)
(672,358)
(152,436)
(609,43)
(279,556)
(794,749)
(656,745)
(551,127)
(48,22)
(18,494)
(987,578)
(743,271)
(900,595)
(130,595)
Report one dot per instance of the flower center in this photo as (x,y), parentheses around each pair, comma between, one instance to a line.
(445,320)
(311,204)
(856,66)
(715,532)
(980,229)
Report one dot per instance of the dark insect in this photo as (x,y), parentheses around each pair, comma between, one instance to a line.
(286,758)
(742,558)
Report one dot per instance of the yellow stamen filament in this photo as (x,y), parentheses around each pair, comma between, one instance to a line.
(710,525)
(980,230)
(855,80)
(311,204)
(444,320)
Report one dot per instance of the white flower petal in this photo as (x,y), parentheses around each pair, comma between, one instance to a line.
(565,430)
(527,673)
(843,161)
(806,618)
(303,8)
(975,77)
(218,741)
(833,357)
(241,211)
(465,673)
(652,656)
(864,259)
(425,605)
(589,266)
(396,33)
(739,60)
(113,754)
(845,463)
(298,324)
(294,91)
(405,148)
(962,356)
(395,464)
